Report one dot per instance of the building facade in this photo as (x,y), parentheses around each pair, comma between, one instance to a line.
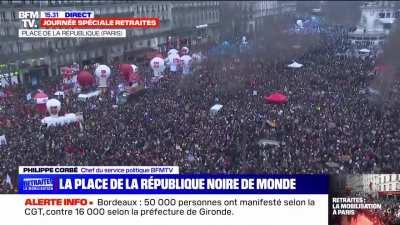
(194,22)
(36,59)
(249,17)
(355,183)
(375,23)
(381,184)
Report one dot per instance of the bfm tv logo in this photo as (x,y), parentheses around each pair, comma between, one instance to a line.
(29,19)
(38,184)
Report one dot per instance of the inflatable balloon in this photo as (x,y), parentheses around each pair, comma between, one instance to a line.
(174,61)
(125,70)
(53,107)
(158,66)
(102,72)
(185,50)
(172,51)
(186,64)
(85,79)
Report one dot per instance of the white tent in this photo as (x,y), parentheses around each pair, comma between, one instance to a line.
(369,90)
(266,142)
(364,50)
(61,120)
(215,109)
(84,97)
(373,91)
(295,65)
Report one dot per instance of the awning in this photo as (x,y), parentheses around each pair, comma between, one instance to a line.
(295,65)
(216,107)
(266,142)
(276,98)
(364,50)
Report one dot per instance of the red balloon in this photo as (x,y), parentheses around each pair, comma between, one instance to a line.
(85,79)
(125,70)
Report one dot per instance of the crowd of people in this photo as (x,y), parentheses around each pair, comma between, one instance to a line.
(387,214)
(327,125)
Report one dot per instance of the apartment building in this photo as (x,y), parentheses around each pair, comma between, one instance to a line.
(32,60)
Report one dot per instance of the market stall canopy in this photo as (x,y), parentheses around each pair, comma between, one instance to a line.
(266,142)
(369,90)
(364,50)
(41,97)
(83,97)
(295,65)
(276,98)
(215,109)
(60,121)
(373,91)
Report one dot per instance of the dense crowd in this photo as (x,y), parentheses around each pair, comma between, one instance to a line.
(390,212)
(387,214)
(327,126)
